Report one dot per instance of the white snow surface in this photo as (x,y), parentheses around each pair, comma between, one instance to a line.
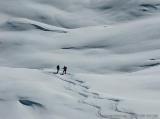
(111,49)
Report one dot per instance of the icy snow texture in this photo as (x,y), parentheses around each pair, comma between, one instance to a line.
(111,48)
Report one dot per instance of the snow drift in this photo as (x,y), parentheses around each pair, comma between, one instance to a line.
(111,48)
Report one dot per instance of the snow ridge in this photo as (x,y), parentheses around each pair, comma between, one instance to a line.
(111,49)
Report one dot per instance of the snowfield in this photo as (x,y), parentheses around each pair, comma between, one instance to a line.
(111,48)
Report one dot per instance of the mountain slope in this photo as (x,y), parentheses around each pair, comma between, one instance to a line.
(111,49)
(75,13)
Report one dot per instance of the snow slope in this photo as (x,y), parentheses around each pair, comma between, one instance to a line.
(79,13)
(111,48)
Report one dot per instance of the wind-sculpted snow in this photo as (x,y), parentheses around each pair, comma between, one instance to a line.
(30,103)
(76,13)
(111,49)
(24,25)
(96,49)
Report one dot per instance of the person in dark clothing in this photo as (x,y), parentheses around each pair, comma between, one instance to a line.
(64,70)
(58,68)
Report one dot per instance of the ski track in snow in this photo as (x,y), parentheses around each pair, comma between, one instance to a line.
(85,93)
(112,48)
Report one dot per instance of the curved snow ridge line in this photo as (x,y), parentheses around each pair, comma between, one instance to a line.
(24,20)
(150,65)
(151,6)
(26,24)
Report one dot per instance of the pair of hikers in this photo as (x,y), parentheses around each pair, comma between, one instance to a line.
(64,69)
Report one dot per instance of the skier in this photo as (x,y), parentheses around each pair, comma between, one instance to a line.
(64,70)
(58,68)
